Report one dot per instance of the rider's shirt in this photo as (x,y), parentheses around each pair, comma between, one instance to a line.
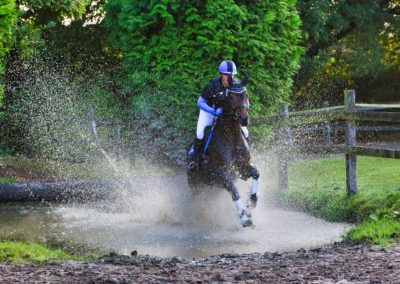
(214,93)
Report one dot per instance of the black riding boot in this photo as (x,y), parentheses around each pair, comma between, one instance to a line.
(197,155)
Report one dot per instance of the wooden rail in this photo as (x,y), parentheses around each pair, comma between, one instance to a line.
(350,113)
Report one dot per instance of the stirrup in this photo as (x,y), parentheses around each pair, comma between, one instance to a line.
(192,166)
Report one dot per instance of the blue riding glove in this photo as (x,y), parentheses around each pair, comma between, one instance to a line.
(202,104)
(218,111)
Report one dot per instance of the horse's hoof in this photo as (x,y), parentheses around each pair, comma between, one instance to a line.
(247,223)
(252,200)
(245,219)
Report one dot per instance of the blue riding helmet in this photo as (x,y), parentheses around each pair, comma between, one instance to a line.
(227,67)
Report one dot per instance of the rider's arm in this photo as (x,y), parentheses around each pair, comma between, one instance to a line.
(202,104)
(207,94)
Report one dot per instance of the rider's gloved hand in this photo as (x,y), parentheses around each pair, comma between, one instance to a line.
(218,112)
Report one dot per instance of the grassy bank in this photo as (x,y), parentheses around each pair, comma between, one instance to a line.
(20,168)
(16,251)
(319,187)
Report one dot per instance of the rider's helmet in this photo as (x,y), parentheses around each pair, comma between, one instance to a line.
(227,67)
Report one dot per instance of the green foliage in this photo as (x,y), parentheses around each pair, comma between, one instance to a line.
(349,44)
(172,48)
(318,187)
(376,232)
(52,73)
(50,12)
(22,252)
(19,252)
(8,16)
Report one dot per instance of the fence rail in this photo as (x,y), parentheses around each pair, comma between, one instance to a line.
(350,113)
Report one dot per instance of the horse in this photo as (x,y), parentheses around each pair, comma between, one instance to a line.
(227,154)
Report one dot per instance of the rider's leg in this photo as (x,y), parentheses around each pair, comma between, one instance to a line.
(205,119)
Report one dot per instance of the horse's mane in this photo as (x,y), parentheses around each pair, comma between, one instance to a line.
(237,88)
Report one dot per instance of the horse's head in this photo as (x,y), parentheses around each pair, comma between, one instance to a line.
(237,103)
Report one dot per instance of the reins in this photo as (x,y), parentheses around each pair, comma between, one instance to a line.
(210,135)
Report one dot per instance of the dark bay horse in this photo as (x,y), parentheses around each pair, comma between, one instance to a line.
(228,156)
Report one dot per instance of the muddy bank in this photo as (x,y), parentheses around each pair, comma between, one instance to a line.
(337,264)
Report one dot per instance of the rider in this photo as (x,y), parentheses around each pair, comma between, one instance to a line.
(209,105)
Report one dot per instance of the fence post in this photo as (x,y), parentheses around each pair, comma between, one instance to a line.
(92,120)
(327,127)
(351,159)
(285,139)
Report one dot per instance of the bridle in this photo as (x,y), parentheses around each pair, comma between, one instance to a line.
(242,105)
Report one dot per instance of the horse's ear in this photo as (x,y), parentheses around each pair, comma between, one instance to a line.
(245,79)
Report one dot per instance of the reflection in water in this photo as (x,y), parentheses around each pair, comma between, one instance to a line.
(165,222)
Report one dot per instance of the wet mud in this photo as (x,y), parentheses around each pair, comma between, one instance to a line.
(336,264)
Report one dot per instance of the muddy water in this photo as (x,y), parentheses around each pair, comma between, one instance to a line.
(166,220)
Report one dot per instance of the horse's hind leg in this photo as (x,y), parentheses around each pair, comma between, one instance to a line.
(245,218)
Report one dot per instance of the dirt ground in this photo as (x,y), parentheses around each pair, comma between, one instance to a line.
(336,264)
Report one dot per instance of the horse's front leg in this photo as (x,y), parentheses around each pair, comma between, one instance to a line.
(254,194)
(247,171)
(245,218)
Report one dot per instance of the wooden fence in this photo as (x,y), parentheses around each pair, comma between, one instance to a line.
(350,113)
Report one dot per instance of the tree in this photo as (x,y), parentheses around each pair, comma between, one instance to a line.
(172,48)
(349,44)
(8,16)
(59,56)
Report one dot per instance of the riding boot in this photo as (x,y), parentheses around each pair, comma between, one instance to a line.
(197,155)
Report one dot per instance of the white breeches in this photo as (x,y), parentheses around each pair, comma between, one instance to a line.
(206,119)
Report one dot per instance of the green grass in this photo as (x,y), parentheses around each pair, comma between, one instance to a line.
(16,251)
(381,231)
(7,179)
(319,187)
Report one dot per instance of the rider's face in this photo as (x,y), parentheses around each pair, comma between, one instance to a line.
(225,80)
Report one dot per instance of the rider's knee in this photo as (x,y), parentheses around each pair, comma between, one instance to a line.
(200,135)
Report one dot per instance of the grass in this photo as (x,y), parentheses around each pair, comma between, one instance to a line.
(107,169)
(7,179)
(17,252)
(319,187)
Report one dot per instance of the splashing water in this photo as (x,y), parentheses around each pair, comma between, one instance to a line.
(160,217)
(164,218)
